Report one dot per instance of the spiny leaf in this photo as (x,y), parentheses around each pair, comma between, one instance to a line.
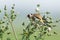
(47,12)
(8,33)
(5,7)
(57,21)
(35,36)
(1,22)
(38,5)
(6,14)
(8,39)
(50,22)
(45,28)
(6,28)
(49,18)
(12,11)
(13,4)
(0,11)
(54,25)
(23,23)
(7,23)
(48,34)
(24,30)
(55,33)
(45,32)
(1,31)
(13,17)
(48,25)
(3,26)
(12,7)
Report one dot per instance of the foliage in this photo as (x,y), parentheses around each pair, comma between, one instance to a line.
(43,29)
(9,18)
(34,26)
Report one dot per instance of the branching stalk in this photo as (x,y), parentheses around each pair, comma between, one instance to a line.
(13,30)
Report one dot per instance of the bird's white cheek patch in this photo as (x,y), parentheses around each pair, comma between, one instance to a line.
(31,15)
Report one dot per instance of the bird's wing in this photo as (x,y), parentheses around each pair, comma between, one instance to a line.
(38,16)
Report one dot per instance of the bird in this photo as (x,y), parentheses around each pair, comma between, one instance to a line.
(38,16)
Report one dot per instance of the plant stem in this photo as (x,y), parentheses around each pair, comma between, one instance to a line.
(13,30)
(1,38)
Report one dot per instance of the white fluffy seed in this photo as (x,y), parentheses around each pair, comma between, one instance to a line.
(37,9)
(49,28)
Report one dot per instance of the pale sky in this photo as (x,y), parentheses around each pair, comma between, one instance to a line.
(52,6)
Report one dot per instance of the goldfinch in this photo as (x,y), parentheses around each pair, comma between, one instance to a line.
(38,16)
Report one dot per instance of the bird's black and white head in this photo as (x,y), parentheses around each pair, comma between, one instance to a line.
(29,15)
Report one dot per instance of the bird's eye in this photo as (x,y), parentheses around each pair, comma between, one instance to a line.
(28,15)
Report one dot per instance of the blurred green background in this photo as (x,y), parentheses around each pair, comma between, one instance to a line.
(24,7)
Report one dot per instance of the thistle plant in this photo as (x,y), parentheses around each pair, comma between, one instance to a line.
(9,18)
(34,25)
(3,27)
(43,29)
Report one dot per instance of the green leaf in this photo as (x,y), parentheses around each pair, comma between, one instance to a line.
(3,22)
(48,34)
(23,23)
(8,39)
(13,4)
(6,28)
(8,33)
(0,11)
(13,17)
(12,11)
(5,7)
(49,18)
(57,21)
(54,25)
(12,7)
(50,22)
(7,23)
(45,32)
(35,36)
(45,28)
(47,12)
(6,14)
(1,31)
(55,33)
(38,5)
